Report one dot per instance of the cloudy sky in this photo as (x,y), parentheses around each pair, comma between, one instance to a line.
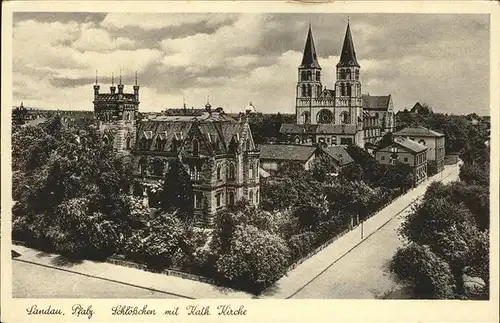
(442,60)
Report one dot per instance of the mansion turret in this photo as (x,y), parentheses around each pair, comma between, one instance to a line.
(342,115)
(216,151)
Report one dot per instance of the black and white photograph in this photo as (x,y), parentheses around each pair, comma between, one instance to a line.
(248,156)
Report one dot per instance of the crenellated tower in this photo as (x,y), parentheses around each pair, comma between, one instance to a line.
(116,113)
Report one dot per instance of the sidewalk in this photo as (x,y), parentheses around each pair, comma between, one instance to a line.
(306,272)
(130,276)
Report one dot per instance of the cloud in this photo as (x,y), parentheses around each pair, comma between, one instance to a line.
(440,59)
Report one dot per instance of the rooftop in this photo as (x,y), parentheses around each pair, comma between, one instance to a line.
(418,131)
(409,144)
(339,154)
(286,152)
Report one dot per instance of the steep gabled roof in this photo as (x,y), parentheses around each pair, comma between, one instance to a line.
(339,154)
(409,144)
(310,59)
(292,128)
(380,103)
(418,131)
(286,152)
(348,55)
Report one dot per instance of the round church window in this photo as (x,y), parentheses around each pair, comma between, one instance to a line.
(325,116)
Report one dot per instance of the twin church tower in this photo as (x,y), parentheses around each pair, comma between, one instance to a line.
(333,116)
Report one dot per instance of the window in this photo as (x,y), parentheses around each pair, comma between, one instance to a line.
(160,144)
(318,76)
(406,159)
(257,196)
(303,76)
(382,157)
(231,198)
(325,116)
(219,172)
(158,167)
(194,173)
(348,89)
(250,170)
(309,75)
(357,74)
(128,142)
(231,174)
(304,92)
(346,141)
(218,199)
(196,147)
(250,195)
(198,200)
(344,117)
(309,90)
(342,89)
(143,166)
(307,117)
(422,142)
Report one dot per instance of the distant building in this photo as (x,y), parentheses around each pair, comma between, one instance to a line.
(407,151)
(336,116)
(273,156)
(215,150)
(420,109)
(434,141)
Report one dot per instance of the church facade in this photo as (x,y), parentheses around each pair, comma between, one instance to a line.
(339,116)
(216,151)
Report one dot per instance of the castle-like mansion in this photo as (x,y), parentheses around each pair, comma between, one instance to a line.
(216,151)
(340,116)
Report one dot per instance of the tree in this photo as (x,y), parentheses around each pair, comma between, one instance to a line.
(427,274)
(475,174)
(158,239)
(449,231)
(69,190)
(177,193)
(255,259)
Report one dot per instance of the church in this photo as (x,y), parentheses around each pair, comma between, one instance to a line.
(339,116)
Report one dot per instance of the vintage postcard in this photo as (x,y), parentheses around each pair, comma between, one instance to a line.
(250,161)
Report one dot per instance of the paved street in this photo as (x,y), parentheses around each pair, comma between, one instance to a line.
(33,281)
(363,273)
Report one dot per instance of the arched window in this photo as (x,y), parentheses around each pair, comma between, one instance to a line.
(158,167)
(257,195)
(250,195)
(348,89)
(344,117)
(342,89)
(304,91)
(357,74)
(129,142)
(309,75)
(219,172)
(250,170)
(143,166)
(231,198)
(307,117)
(318,89)
(325,116)
(309,90)
(105,140)
(318,76)
(303,76)
(348,74)
(196,147)
(231,174)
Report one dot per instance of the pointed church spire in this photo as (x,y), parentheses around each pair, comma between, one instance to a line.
(310,59)
(348,55)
